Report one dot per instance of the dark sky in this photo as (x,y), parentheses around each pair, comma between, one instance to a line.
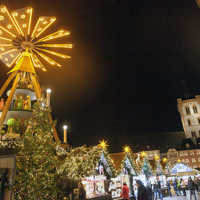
(129,64)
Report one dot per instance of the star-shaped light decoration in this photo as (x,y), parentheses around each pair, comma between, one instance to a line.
(19,39)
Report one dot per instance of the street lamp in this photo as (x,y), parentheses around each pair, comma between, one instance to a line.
(65,127)
(48,97)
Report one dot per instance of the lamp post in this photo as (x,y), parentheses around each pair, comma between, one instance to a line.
(48,97)
(65,133)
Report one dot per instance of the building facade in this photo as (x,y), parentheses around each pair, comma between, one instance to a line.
(190,157)
(190,116)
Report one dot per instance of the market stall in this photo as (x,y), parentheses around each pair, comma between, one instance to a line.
(95,185)
(181,169)
(126,174)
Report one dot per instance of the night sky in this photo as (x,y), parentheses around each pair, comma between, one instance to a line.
(130,62)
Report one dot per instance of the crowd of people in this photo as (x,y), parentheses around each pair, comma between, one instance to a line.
(153,191)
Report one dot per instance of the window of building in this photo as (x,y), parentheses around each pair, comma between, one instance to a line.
(195,109)
(189,122)
(193,160)
(187,160)
(187,109)
(185,154)
(198,159)
(192,153)
(193,133)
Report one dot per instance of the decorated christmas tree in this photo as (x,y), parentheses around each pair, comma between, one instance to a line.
(37,161)
(82,161)
(146,168)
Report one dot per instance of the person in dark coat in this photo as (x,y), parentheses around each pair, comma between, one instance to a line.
(82,192)
(142,192)
(125,192)
(169,188)
(149,191)
(191,187)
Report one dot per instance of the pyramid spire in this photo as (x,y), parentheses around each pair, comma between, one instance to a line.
(24,64)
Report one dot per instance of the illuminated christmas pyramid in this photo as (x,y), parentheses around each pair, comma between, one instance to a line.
(22,49)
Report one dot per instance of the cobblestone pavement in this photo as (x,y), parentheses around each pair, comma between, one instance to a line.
(175,198)
(179,198)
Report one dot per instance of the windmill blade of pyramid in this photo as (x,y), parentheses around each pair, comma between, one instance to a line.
(58,34)
(36,62)
(10,56)
(42,24)
(8,22)
(47,58)
(54,53)
(23,19)
(67,46)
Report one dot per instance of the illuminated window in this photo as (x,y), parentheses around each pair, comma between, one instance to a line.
(187,109)
(192,153)
(185,154)
(193,160)
(198,159)
(195,109)
(189,122)
(187,160)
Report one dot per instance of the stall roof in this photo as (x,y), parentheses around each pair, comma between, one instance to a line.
(117,159)
(181,168)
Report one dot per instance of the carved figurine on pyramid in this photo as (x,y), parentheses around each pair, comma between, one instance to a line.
(22,45)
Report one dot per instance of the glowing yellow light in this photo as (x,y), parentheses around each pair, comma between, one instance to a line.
(127,149)
(30,10)
(178,160)
(7,39)
(55,35)
(156,157)
(13,21)
(1,18)
(69,46)
(143,154)
(54,53)
(9,26)
(6,45)
(164,160)
(37,62)
(103,144)
(23,16)
(15,14)
(3,10)
(42,27)
(11,34)
(47,59)
(18,24)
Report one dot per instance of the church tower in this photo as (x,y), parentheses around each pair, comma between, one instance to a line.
(189,110)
